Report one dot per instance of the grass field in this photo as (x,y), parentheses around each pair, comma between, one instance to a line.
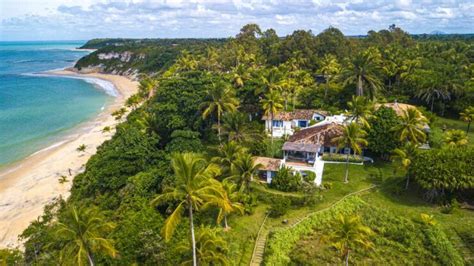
(455,124)
(388,195)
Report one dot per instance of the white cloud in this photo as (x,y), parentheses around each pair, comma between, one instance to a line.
(85,19)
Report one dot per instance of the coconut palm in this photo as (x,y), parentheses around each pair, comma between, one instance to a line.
(194,186)
(81,148)
(411,126)
(227,202)
(243,170)
(226,155)
(362,71)
(456,137)
(147,87)
(353,138)
(349,235)
(468,116)
(270,80)
(220,99)
(431,93)
(235,126)
(240,75)
(360,110)
(211,248)
(329,68)
(272,104)
(83,234)
(404,156)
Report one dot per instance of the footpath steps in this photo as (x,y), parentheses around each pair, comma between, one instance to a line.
(260,242)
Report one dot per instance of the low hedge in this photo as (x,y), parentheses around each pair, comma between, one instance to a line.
(265,195)
(342,158)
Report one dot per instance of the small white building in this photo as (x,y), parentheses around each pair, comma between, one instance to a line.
(286,123)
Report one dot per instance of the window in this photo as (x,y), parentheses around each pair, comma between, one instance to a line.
(277,123)
(302,123)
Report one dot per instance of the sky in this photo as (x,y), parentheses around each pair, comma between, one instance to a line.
(87,19)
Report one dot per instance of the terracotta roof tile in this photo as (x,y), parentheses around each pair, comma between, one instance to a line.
(322,135)
(269,164)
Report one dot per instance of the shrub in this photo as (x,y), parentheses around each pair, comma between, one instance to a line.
(309,176)
(280,207)
(446,170)
(335,157)
(285,180)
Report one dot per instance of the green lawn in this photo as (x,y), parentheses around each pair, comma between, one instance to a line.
(389,195)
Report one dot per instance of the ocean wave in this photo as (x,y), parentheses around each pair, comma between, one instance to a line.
(107,86)
(50,147)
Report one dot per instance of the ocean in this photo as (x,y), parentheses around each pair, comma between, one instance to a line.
(36,110)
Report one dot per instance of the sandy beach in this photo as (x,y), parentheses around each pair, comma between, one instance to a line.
(27,186)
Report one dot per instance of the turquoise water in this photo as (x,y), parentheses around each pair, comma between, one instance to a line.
(36,110)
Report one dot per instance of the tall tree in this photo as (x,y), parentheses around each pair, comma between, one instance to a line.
(220,99)
(83,232)
(236,126)
(243,170)
(227,154)
(360,110)
(211,247)
(350,234)
(362,71)
(271,105)
(227,202)
(468,116)
(404,156)
(411,126)
(353,138)
(194,186)
(330,68)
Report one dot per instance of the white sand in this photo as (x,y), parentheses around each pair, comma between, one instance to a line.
(27,186)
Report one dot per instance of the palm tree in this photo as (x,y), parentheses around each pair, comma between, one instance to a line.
(352,137)
(235,126)
(468,116)
(227,202)
(360,110)
(81,148)
(329,68)
(349,235)
(243,170)
(411,126)
(220,99)
(456,137)
(431,93)
(404,156)
(226,155)
(272,104)
(239,75)
(362,70)
(147,87)
(83,231)
(194,186)
(210,246)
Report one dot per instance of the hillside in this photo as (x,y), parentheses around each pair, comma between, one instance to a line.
(180,173)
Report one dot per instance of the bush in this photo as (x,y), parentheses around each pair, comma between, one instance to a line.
(446,170)
(280,207)
(285,180)
(309,176)
(335,157)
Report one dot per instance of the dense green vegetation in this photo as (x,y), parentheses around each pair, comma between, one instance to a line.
(174,184)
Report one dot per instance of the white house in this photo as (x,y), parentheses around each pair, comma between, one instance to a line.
(285,123)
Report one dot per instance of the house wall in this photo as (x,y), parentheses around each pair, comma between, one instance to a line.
(279,132)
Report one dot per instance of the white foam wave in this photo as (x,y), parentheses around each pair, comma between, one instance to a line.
(107,86)
(49,147)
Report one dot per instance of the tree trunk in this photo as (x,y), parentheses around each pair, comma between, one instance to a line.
(271,126)
(432,103)
(193,240)
(327,88)
(408,181)
(347,168)
(468,126)
(90,258)
(347,258)
(360,91)
(226,226)
(219,125)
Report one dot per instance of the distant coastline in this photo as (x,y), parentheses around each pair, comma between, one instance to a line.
(29,184)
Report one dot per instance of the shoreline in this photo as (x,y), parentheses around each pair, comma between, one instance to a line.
(27,185)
